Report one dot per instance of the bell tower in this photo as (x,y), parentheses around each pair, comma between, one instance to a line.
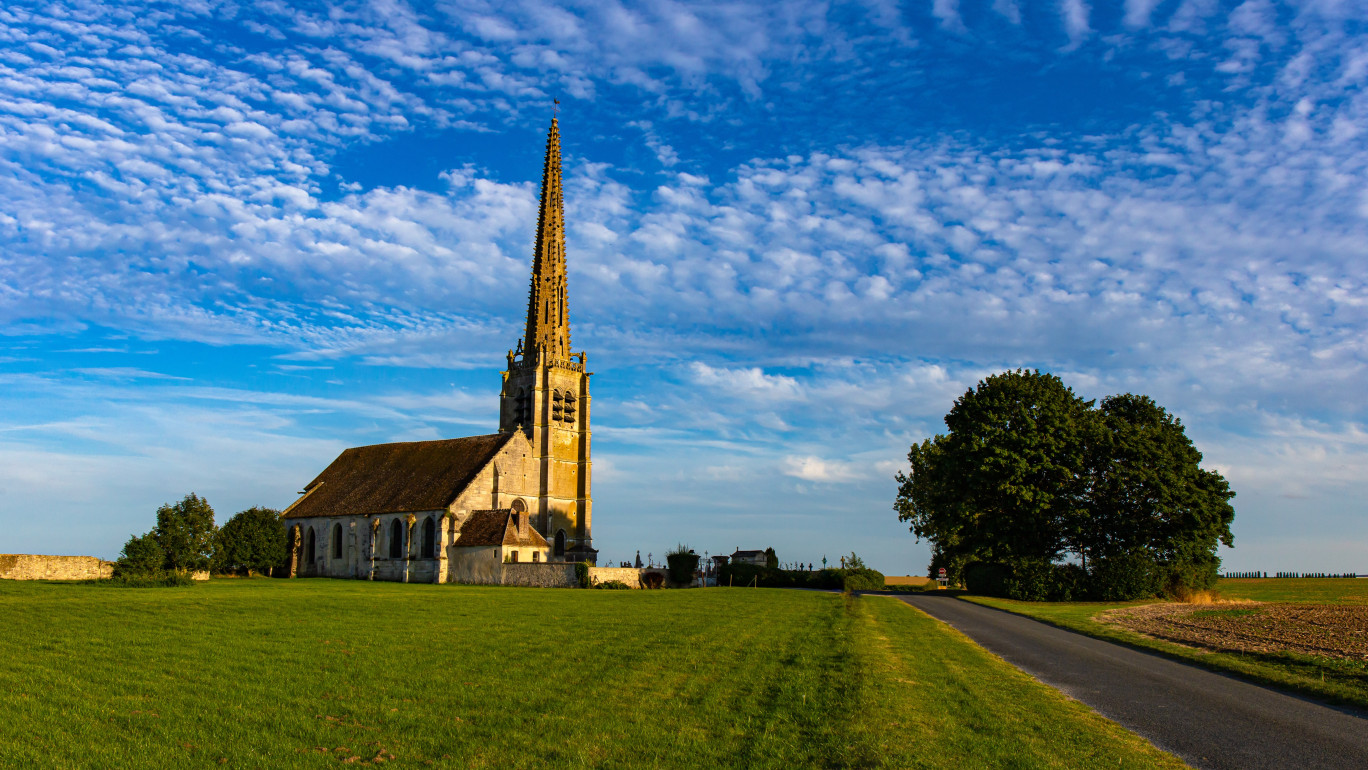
(545,390)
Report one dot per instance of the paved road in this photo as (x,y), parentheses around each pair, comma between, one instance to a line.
(1209,720)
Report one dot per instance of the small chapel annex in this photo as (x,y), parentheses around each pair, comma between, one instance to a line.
(456,510)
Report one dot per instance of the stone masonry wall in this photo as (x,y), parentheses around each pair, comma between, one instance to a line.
(478,566)
(476,571)
(541,575)
(28,566)
(629,575)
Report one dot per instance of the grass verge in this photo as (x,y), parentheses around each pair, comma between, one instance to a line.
(318,673)
(1342,682)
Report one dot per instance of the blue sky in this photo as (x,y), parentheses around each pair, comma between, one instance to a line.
(236,238)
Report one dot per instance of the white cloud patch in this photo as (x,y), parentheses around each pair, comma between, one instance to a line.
(749,382)
(1075,16)
(818,469)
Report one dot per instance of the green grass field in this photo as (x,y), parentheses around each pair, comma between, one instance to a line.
(1337,681)
(318,673)
(1307,590)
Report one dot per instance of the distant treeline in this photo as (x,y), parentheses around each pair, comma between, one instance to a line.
(1292,575)
(849,579)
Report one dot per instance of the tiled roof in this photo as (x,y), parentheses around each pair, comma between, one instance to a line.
(397,478)
(495,527)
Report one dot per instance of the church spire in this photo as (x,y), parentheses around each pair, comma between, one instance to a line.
(548,318)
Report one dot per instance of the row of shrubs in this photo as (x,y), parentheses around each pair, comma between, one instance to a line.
(185,539)
(1314,574)
(1121,578)
(1259,574)
(151,579)
(852,579)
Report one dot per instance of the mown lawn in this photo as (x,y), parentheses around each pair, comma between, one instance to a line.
(317,673)
(1342,682)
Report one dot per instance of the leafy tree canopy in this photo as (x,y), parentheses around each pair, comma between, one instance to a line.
(140,555)
(1030,474)
(185,531)
(253,539)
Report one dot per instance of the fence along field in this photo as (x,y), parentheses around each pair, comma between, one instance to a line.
(315,673)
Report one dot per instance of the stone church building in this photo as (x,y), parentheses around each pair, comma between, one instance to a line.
(458,510)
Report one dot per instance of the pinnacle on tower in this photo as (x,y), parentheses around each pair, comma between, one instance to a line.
(548,318)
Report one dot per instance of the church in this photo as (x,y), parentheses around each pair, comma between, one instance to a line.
(458,510)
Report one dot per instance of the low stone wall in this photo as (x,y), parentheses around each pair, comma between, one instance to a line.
(475,566)
(629,575)
(540,575)
(28,566)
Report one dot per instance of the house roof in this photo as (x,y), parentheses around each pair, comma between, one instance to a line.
(495,527)
(397,478)
(747,554)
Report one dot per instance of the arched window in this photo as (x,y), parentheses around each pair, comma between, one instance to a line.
(337,541)
(309,546)
(560,542)
(429,538)
(397,539)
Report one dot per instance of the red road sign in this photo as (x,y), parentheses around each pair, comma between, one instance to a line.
(942,572)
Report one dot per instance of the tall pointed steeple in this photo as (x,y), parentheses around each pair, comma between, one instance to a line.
(545,395)
(548,317)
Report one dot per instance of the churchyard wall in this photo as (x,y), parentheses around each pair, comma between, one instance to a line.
(543,575)
(479,565)
(28,566)
(481,568)
(629,575)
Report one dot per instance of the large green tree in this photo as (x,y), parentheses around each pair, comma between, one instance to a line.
(1149,496)
(252,540)
(1000,485)
(185,531)
(1030,475)
(140,555)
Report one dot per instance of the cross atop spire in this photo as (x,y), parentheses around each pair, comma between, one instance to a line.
(548,318)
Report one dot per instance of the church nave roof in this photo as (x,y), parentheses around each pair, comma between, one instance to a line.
(397,478)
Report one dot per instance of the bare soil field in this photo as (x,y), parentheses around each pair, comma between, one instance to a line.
(906,580)
(1324,630)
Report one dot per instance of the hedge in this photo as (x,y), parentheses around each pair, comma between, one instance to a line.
(827,579)
(1120,578)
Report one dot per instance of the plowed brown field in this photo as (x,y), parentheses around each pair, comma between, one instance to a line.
(1325,630)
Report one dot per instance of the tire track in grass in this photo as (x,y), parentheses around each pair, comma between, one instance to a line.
(943,701)
(804,705)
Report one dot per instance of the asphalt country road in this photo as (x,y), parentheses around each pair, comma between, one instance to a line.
(1209,720)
